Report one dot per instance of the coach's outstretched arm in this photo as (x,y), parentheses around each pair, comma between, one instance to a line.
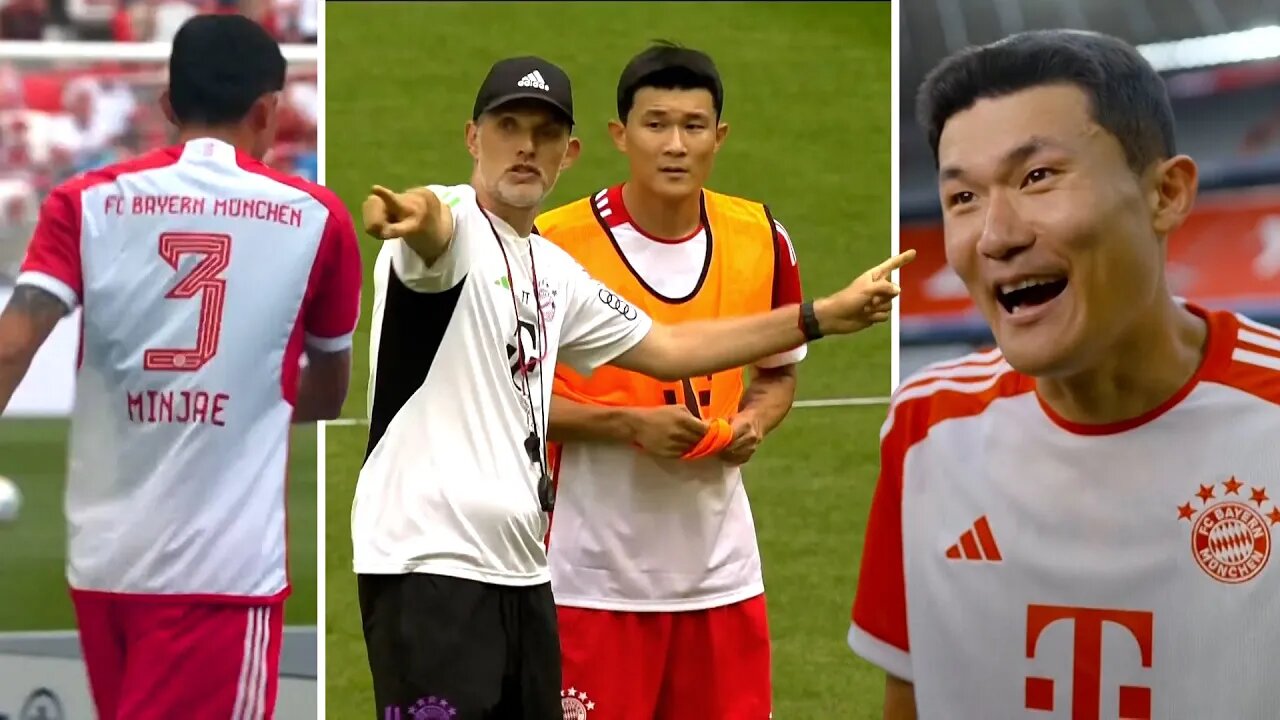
(416,216)
(672,352)
(25,324)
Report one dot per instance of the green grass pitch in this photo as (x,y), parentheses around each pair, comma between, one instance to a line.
(33,586)
(808,101)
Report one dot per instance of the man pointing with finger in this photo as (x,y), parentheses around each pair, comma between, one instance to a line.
(471,309)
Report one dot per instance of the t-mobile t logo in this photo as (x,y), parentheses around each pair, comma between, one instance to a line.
(1086,670)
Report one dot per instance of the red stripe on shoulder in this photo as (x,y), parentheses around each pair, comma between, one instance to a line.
(320,193)
(880,607)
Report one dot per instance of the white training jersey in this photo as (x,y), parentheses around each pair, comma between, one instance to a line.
(447,486)
(201,274)
(1021,565)
(636,532)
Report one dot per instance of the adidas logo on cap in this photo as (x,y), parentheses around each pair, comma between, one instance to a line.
(534,80)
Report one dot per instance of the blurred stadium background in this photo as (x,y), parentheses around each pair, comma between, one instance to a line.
(79,82)
(1221,60)
(808,100)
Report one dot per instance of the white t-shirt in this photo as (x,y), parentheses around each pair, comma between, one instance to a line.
(202,274)
(635,532)
(447,487)
(1020,565)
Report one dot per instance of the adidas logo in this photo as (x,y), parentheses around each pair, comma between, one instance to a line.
(534,80)
(977,543)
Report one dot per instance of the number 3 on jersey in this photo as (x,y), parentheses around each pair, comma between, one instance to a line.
(203,280)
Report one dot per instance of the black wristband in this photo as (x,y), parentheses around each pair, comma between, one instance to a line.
(809,322)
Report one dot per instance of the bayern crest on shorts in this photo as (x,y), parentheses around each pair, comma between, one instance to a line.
(432,708)
(1231,536)
(575,704)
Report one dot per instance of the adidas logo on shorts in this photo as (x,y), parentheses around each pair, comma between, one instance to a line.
(534,80)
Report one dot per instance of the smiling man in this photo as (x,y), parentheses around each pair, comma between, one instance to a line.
(653,546)
(1080,521)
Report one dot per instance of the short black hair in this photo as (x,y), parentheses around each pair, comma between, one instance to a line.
(669,66)
(220,65)
(1127,95)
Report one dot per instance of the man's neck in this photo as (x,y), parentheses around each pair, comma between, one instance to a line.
(520,219)
(231,136)
(664,217)
(1147,368)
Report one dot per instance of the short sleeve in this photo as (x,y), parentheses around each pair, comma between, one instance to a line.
(878,631)
(786,291)
(450,268)
(333,307)
(53,257)
(599,325)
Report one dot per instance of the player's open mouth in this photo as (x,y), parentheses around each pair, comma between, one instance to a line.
(1024,295)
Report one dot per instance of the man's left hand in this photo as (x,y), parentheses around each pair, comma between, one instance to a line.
(746,438)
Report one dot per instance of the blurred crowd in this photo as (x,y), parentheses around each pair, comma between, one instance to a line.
(62,117)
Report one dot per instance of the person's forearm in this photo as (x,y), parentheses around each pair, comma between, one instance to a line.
(25,323)
(570,421)
(769,396)
(708,346)
(322,387)
(310,404)
(13,367)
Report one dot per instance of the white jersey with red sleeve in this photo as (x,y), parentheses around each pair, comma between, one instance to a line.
(202,275)
(636,532)
(1021,565)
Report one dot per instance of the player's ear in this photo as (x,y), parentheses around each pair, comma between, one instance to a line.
(166,106)
(262,114)
(571,154)
(472,133)
(722,132)
(618,131)
(1174,184)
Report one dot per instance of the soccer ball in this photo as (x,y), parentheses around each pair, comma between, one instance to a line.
(10,500)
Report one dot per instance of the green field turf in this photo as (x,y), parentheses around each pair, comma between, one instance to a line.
(33,588)
(807,90)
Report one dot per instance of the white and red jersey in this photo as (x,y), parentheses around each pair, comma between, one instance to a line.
(636,532)
(1021,565)
(202,274)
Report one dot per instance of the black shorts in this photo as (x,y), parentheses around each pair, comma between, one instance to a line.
(439,644)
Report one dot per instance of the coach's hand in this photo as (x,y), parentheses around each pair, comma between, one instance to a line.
(667,431)
(865,302)
(390,214)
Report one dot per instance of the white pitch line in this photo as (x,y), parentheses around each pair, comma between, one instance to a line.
(819,403)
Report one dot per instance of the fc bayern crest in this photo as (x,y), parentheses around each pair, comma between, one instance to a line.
(1231,537)
(432,708)
(575,704)
(547,300)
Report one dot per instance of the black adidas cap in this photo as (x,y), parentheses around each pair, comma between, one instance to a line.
(523,78)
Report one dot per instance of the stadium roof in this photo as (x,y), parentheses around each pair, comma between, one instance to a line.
(932,29)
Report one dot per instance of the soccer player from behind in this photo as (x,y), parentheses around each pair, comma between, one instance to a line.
(204,277)
(652,546)
(1081,521)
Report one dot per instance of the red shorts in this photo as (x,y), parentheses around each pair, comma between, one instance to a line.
(666,665)
(151,658)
